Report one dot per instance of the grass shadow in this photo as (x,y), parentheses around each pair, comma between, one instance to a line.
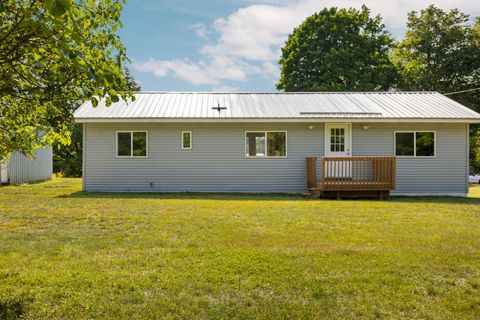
(185,196)
(256,197)
(13,309)
(436,199)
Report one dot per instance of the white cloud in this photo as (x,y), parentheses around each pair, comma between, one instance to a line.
(394,12)
(224,88)
(216,69)
(200,30)
(257,32)
(183,69)
(249,40)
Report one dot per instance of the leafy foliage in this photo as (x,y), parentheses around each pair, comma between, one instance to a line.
(440,52)
(54,54)
(475,149)
(132,84)
(338,50)
(67,159)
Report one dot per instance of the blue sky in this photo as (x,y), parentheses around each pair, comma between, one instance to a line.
(220,45)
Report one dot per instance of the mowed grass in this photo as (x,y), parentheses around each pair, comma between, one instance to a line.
(71,255)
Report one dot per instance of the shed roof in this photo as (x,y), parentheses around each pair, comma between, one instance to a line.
(213,107)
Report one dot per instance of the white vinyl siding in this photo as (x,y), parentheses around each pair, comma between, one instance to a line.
(443,174)
(218,163)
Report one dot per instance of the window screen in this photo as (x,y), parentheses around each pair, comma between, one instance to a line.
(186,140)
(132,144)
(404,145)
(266,144)
(124,140)
(425,144)
(415,144)
(139,144)
(277,144)
(255,144)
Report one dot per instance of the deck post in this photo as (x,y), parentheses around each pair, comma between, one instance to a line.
(312,172)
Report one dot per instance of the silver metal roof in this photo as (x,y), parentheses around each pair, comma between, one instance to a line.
(276,106)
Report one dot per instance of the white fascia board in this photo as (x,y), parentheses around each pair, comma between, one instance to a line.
(283,120)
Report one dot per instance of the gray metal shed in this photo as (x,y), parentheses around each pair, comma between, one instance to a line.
(20,169)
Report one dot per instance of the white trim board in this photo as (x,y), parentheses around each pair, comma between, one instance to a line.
(84,155)
(467,159)
(277,120)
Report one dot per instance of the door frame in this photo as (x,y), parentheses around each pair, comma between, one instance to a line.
(329,125)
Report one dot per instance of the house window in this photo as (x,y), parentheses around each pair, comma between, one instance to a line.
(186,139)
(132,144)
(337,139)
(266,144)
(415,144)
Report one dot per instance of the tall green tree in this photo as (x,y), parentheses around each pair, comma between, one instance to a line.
(474,96)
(338,50)
(67,158)
(475,148)
(53,54)
(132,84)
(440,52)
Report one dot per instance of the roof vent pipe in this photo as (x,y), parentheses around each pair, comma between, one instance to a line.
(218,108)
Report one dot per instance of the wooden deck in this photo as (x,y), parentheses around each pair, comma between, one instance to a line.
(353,176)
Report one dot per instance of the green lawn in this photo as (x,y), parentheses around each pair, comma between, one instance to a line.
(71,255)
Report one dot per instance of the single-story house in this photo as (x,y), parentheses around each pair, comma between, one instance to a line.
(411,143)
(20,169)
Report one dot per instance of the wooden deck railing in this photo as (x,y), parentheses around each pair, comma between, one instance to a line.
(353,173)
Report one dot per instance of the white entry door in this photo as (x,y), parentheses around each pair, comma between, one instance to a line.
(338,139)
(338,143)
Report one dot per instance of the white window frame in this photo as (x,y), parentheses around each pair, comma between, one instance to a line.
(191,140)
(415,144)
(131,144)
(266,156)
